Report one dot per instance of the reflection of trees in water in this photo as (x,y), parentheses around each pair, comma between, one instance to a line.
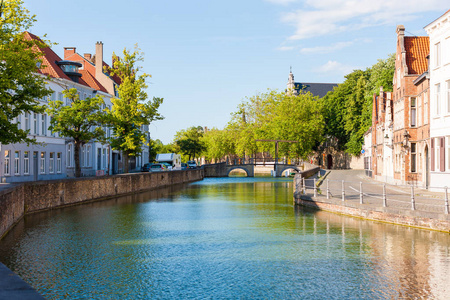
(405,257)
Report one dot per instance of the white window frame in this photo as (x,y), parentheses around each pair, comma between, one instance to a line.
(69,155)
(104,158)
(16,162)
(58,162)
(35,124)
(7,168)
(44,124)
(413,158)
(51,163)
(437,98)
(42,164)
(437,54)
(413,111)
(27,121)
(88,155)
(26,162)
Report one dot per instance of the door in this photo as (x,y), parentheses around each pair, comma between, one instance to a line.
(329,161)
(35,165)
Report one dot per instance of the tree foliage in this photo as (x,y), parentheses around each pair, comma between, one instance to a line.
(348,108)
(20,85)
(81,121)
(132,110)
(189,142)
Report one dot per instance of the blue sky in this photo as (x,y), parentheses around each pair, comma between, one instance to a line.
(205,57)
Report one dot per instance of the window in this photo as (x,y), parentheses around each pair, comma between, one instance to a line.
(413,112)
(44,124)
(398,78)
(448,152)
(54,96)
(35,122)
(88,156)
(16,163)
(437,101)
(104,158)
(82,158)
(425,108)
(60,97)
(7,162)
(27,121)
(51,162)
(42,163)
(69,155)
(437,153)
(437,54)
(26,162)
(448,96)
(413,157)
(58,162)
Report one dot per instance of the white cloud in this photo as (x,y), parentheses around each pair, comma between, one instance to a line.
(335,67)
(285,48)
(323,17)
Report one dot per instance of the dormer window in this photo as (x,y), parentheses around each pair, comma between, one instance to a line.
(70,68)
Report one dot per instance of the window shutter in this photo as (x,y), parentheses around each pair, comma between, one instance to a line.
(442,154)
(432,154)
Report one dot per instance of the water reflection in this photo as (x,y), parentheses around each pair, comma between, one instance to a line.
(223,238)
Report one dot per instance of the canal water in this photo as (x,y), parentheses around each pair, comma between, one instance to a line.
(228,238)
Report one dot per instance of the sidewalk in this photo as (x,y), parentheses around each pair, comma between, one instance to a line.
(377,197)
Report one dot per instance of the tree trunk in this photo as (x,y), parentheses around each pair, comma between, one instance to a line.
(76,154)
(125,162)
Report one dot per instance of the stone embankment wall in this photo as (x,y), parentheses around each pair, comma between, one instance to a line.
(215,170)
(30,197)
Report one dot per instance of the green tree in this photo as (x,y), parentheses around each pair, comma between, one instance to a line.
(131,111)
(81,121)
(189,141)
(20,84)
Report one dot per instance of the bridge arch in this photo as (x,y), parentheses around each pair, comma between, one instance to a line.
(238,167)
(281,170)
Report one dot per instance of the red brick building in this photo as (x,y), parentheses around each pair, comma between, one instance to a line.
(411,116)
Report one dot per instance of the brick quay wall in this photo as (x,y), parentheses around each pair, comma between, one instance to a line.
(31,197)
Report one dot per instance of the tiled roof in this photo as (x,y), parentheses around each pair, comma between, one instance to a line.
(417,49)
(49,66)
(90,80)
(317,89)
(115,77)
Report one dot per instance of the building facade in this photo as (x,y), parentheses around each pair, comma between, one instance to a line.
(53,156)
(411,122)
(439,33)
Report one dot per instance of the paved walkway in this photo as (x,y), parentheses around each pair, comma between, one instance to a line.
(12,287)
(428,204)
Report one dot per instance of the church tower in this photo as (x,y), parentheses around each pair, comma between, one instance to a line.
(291,84)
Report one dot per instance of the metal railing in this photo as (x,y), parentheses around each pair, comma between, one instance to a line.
(351,193)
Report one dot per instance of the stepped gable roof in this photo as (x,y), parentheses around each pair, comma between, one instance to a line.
(417,49)
(49,59)
(90,80)
(317,89)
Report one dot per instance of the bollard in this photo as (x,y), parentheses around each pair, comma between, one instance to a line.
(304,186)
(360,193)
(413,202)
(328,191)
(384,195)
(343,191)
(315,188)
(446,200)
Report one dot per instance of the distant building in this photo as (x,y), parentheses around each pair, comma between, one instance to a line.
(316,89)
(439,32)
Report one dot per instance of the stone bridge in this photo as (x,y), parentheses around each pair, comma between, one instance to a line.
(224,170)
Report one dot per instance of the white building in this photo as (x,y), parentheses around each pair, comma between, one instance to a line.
(53,158)
(439,33)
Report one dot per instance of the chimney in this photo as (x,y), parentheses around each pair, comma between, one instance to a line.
(98,59)
(68,51)
(88,56)
(400,30)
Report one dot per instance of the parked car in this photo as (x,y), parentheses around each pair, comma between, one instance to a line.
(192,164)
(146,167)
(184,166)
(158,167)
(168,166)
